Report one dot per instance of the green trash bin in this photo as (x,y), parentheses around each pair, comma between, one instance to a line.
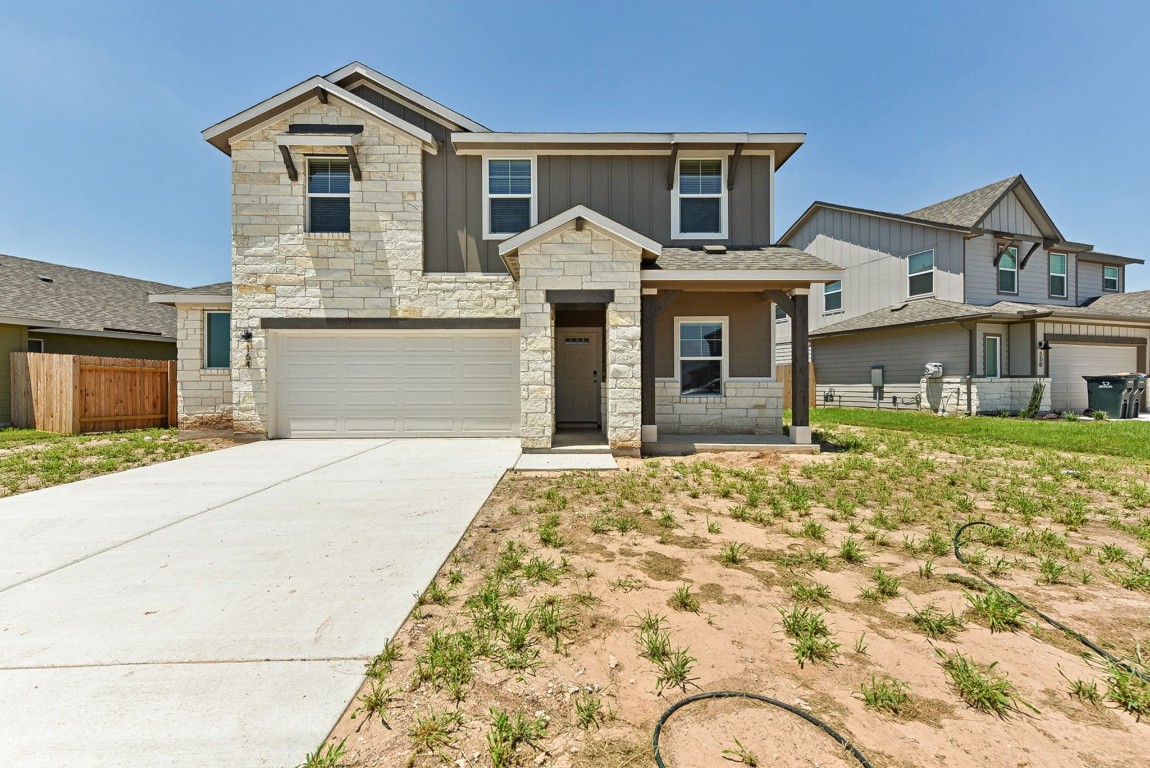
(1106,393)
(1132,397)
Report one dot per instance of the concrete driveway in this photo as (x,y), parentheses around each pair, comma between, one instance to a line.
(218,609)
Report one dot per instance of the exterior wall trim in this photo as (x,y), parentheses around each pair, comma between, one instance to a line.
(603,296)
(388,323)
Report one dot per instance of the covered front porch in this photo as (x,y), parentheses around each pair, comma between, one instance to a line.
(710,375)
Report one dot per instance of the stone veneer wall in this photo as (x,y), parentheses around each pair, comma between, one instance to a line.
(746,407)
(204,395)
(279,270)
(987,396)
(580,260)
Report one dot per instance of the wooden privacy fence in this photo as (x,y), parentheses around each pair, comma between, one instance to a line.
(783,374)
(71,394)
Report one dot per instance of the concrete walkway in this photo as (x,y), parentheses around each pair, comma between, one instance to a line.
(218,609)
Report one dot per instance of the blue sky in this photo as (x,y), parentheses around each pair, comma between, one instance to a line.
(904,103)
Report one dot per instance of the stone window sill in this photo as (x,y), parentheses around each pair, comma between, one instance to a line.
(327,235)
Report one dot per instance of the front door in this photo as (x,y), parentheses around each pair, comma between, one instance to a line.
(578,365)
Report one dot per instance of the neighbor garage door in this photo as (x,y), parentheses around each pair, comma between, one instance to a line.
(1070,362)
(426,383)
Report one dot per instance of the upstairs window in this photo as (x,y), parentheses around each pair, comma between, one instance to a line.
(699,204)
(509,187)
(920,273)
(1008,271)
(217,339)
(1058,275)
(1110,278)
(780,314)
(833,296)
(328,194)
(701,356)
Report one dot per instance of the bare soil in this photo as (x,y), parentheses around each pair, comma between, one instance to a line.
(681,513)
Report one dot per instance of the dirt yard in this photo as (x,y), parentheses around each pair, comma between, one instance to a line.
(580,606)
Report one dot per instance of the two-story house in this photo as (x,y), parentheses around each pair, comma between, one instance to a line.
(399,269)
(985,286)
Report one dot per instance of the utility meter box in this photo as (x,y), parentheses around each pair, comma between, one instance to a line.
(933,371)
(876,376)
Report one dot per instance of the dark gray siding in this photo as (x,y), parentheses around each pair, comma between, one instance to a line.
(902,352)
(631,189)
(748,321)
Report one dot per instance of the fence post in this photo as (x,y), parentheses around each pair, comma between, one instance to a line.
(173,404)
(77,399)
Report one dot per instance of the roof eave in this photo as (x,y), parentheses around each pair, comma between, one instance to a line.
(172,299)
(819,204)
(406,93)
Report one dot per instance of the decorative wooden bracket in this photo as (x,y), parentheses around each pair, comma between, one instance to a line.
(353,161)
(322,94)
(672,169)
(734,166)
(578,223)
(783,300)
(292,173)
(1026,258)
(662,299)
(1002,250)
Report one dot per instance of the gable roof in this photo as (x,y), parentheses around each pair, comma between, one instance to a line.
(1134,304)
(221,134)
(970,209)
(649,248)
(346,77)
(912,312)
(42,294)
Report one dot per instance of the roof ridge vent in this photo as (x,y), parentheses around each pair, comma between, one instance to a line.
(714,249)
(45,279)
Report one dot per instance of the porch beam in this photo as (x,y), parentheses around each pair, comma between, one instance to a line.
(292,173)
(783,300)
(800,370)
(733,166)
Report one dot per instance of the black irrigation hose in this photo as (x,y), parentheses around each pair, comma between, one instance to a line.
(755,697)
(1049,620)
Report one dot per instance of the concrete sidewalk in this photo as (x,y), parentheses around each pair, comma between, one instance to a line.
(219,609)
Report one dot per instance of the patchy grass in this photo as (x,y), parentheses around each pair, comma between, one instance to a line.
(580,605)
(30,460)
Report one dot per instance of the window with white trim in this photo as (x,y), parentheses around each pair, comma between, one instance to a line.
(1058,275)
(328,194)
(509,205)
(833,296)
(920,273)
(700,356)
(217,339)
(781,315)
(992,356)
(35,345)
(1008,271)
(699,202)
(1110,278)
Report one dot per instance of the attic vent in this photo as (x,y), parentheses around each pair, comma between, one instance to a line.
(714,249)
(44,279)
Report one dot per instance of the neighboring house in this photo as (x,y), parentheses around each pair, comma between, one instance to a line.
(70,311)
(398,269)
(983,284)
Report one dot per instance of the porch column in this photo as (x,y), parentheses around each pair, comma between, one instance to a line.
(800,369)
(649,310)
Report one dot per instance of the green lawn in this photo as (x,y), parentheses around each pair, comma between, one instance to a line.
(1129,439)
(30,460)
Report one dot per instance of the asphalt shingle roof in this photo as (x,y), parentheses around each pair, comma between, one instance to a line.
(1136,304)
(212,289)
(82,299)
(967,209)
(771,257)
(916,312)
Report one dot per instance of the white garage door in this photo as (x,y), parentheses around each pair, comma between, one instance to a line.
(1070,362)
(425,383)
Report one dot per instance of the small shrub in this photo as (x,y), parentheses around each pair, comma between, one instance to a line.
(740,755)
(675,669)
(812,529)
(733,554)
(886,694)
(588,710)
(810,593)
(507,732)
(981,686)
(1000,611)
(683,600)
(851,551)
(934,623)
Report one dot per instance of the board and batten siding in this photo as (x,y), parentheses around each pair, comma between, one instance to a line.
(1010,216)
(1020,346)
(873,252)
(631,189)
(748,329)
(1033,281)
(1002,331)
(903,353)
